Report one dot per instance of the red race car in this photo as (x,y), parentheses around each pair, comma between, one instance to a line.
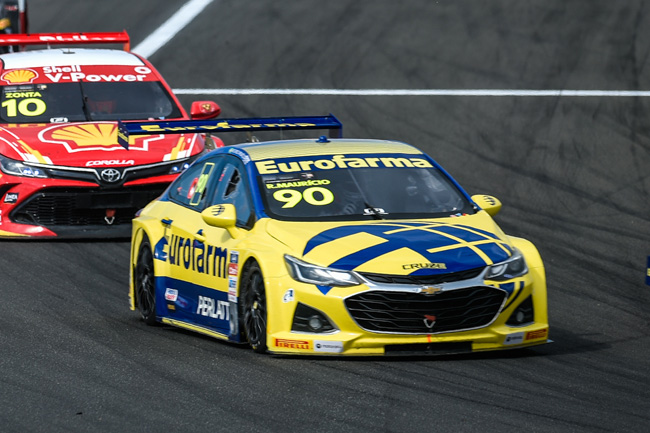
(63,173)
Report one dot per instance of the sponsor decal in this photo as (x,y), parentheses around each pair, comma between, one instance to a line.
(19,76)
(429,320)
(171,294)
(101,134)
(339,161)
(489,200)
(11,197)
(223,126)
(171,307)
(73,74)
(110,162)
(195,194)
(211,308)
(52,38)
(232,289)
(244,156)
(534,335)
(328,346)
(425,266)
(292,344)
(65,69)
(288,296)
(182,302)
(516,338)
(110,216)
(233,269)
(217,210)
(195,256)
(92,136)
(234,256)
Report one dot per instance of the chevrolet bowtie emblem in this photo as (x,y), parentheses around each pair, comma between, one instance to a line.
(430,290)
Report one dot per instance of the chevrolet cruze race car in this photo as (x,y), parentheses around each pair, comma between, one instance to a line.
(332,246)
(62,171)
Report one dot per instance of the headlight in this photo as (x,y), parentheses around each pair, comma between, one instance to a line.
(308,273)
(515,266)
(179,168)
(17,168)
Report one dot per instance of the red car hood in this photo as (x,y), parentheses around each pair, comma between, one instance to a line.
(91,144)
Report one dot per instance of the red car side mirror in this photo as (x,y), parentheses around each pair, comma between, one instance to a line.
(204,110)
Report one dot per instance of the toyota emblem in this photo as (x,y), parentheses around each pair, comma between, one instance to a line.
(110,175)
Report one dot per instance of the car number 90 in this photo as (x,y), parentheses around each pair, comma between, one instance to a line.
(316,196)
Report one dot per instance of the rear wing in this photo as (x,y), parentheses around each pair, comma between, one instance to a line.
(67,39)
(127,129)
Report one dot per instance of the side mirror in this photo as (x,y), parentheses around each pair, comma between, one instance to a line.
(222,215)
(489,204)
(202,110)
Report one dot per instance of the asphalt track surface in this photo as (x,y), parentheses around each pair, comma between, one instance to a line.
(572,173)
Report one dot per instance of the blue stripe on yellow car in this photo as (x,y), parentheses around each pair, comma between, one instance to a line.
(457,246)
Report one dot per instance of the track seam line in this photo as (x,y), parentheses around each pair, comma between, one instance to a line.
(417,92)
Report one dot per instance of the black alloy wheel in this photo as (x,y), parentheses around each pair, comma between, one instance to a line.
(144,283)
(254,308)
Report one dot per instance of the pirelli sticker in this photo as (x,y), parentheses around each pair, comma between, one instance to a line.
(535,335)
(284,343)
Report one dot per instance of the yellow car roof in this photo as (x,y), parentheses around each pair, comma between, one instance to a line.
(298,148)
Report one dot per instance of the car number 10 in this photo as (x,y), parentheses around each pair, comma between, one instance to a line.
(27,107)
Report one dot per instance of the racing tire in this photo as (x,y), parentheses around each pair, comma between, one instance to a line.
(145,293)
(254,311)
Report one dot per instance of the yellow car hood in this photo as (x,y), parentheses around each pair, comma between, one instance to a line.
(397,247)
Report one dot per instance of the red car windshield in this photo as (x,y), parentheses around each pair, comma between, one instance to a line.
(73,102)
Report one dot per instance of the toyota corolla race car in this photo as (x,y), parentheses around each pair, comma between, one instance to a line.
(62,171)
(332,246)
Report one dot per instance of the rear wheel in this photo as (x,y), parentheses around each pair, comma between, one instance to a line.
(254,312)
(144,283)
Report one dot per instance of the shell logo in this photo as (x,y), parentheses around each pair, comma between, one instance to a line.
(19,76)
(80,137)
(102,134)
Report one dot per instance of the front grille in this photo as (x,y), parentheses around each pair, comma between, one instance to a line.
(417,313)
(84,207)
(423,279)
(415,349)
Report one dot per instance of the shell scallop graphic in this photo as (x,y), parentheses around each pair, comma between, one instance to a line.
(102,134)
(19,76)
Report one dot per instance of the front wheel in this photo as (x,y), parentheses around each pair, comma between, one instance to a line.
(144,283)
(254,311)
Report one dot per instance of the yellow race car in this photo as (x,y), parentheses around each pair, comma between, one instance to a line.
(331,246)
